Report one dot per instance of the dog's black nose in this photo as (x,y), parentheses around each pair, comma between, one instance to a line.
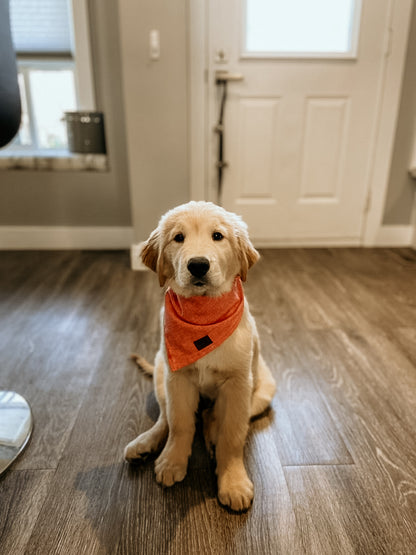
(198,266)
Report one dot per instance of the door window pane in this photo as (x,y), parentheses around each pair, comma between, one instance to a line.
(300,26)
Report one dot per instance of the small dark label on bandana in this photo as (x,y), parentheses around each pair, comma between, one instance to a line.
(203,342)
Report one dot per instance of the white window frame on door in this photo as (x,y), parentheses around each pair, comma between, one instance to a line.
(350,54)
(201,77)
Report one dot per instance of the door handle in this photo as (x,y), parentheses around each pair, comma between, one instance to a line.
(222,76)
(221,80)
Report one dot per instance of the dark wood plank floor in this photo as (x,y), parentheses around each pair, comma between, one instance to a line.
(333,463)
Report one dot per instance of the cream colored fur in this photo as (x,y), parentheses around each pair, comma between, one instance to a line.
(234,375)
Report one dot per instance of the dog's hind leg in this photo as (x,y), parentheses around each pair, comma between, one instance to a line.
(147,443)
(210,429)
(153,440)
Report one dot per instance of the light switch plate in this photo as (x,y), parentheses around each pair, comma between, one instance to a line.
(154,44)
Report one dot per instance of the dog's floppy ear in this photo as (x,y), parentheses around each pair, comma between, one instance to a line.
(248,257)
(150,250)
(152,255)
(247,253)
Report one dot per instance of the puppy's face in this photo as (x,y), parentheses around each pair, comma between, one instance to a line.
(198,249)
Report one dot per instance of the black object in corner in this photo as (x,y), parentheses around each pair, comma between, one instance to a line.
(10,108)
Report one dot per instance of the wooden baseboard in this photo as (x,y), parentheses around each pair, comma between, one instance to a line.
(395,236)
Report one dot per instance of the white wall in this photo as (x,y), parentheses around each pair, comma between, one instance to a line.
(155,106)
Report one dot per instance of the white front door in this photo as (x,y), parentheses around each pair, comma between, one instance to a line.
(300,128)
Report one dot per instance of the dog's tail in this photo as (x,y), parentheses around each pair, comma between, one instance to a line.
(142,363)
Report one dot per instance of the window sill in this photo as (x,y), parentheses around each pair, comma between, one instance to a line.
(58,161)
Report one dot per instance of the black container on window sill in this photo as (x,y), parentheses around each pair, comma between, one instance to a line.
(85,132)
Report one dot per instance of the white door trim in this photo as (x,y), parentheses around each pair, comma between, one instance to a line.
(388,105)
(198,83)
(389,102)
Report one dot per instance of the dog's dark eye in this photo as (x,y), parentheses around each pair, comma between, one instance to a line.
(179,238)
(217,236)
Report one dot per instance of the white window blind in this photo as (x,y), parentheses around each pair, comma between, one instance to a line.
(41,27)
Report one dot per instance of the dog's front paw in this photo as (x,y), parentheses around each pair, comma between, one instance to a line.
(236,491)
(169,471)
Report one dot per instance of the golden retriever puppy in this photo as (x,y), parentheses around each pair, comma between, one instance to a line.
(209,346)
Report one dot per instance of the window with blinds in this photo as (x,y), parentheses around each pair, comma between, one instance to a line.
(43,40)
(41,27)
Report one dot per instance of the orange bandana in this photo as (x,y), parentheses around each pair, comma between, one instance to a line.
(195,326)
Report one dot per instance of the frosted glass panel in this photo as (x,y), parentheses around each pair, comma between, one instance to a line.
(299,26)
